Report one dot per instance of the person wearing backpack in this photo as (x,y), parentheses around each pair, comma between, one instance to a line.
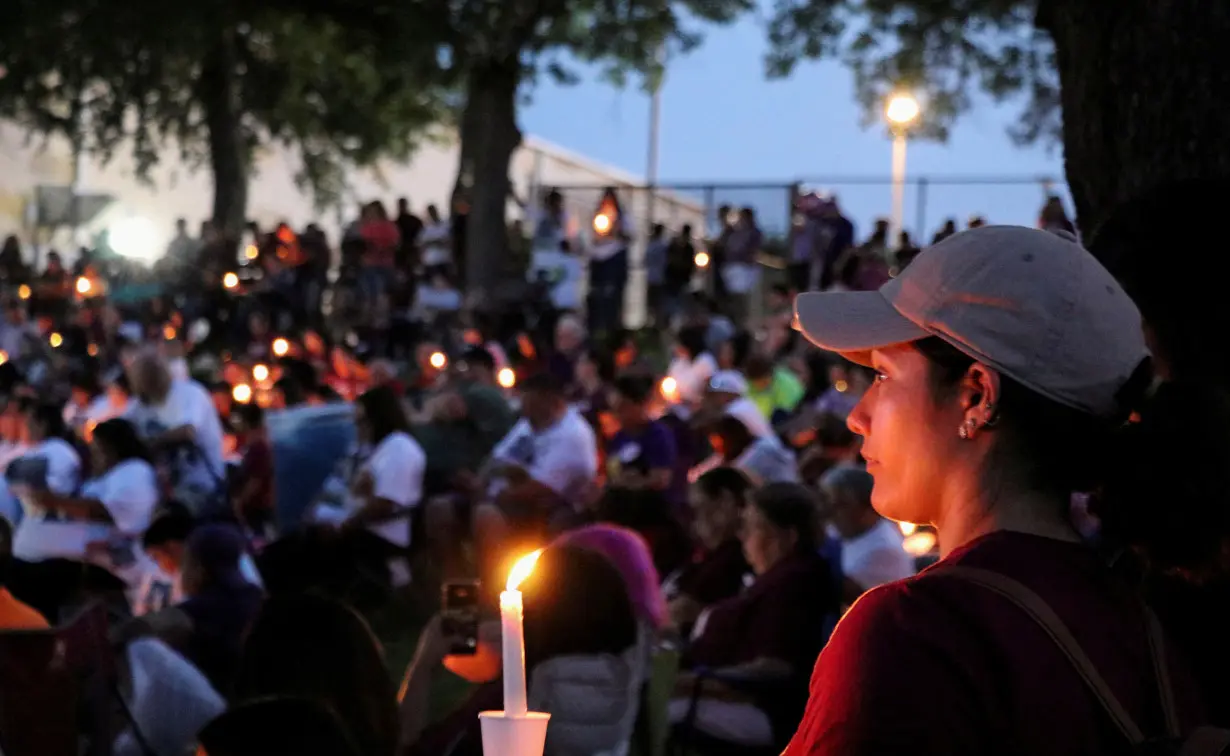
(1008,365)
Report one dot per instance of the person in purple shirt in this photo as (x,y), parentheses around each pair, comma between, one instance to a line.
(642,454)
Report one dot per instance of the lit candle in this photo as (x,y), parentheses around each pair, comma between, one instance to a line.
(513,637)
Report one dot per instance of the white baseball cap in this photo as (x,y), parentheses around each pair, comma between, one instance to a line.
(1031,304)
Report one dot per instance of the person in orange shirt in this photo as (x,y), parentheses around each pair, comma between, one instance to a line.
(14,615)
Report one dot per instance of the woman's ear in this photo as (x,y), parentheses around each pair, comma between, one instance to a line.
(980,394)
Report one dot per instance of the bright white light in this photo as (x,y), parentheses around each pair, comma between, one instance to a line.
(902,109)
(135,237)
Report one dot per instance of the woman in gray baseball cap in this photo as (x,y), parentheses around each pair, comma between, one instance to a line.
(1008,361)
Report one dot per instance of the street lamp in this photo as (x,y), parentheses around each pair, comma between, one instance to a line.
(901,112)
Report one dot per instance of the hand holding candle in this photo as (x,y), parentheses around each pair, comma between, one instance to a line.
(515,700)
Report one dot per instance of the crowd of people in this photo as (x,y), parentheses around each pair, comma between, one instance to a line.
(751,498)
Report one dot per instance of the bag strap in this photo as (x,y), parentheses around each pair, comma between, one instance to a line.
(1041,613)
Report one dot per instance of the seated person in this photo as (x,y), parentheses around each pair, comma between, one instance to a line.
(164,544)
(374,516)
(775,390)
(767,637)
(540,475)
(99,528)
(642,453)
(51,461)
(718,569)
(177,418)
(763,458)
(459,426)
(219,604)
(584,668)
(871,546)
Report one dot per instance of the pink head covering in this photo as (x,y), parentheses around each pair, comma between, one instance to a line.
(628,552)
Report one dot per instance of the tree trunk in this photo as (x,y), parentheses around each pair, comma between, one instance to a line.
(1145,88)
(489,136)
(228,152)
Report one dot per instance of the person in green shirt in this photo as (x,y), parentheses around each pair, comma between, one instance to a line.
(775,390)
(463,423)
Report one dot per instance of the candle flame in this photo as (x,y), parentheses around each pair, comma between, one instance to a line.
(230,280)
(670,388)
(23,292)
(522,569)
(438,360)
(84,285)
(701,259)
(602,223)
(507,378)
(281,347)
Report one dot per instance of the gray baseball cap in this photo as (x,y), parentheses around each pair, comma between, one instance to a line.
(1034,305)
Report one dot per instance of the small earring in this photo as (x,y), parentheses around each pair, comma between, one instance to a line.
(963,432)
(992,416)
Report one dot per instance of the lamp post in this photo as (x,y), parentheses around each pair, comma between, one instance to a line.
(901,112)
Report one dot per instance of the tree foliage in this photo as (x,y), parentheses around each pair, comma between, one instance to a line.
(942,50)
(147,73)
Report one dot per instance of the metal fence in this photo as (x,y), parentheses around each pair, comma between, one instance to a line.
(929,202)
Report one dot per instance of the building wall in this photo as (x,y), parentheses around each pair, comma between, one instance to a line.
(178,190)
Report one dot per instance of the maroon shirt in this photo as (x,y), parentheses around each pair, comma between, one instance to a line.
(934,666)
(715,576)
(780,616)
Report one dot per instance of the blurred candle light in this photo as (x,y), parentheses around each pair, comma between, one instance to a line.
(242,393)
(260,373)
(507,378)
(55,340)
(230,280)
(920,543)
(23,292)
(281,347)
(84,286)
(701,259)
(513,637)
(670,388)
(438,360)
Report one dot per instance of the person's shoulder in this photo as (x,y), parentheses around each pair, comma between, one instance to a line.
(890,614)
(401,442)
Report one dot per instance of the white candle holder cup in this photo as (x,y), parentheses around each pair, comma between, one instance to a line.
(513,735)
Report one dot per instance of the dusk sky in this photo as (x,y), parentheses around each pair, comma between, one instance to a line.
(722,121)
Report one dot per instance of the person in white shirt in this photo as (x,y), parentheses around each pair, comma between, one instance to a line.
(727,394)
(374,508)
(871,547)
(436,242)
(389,483)
(49,460)
(691,368)
(100,526)
(541,473)
(178,420)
